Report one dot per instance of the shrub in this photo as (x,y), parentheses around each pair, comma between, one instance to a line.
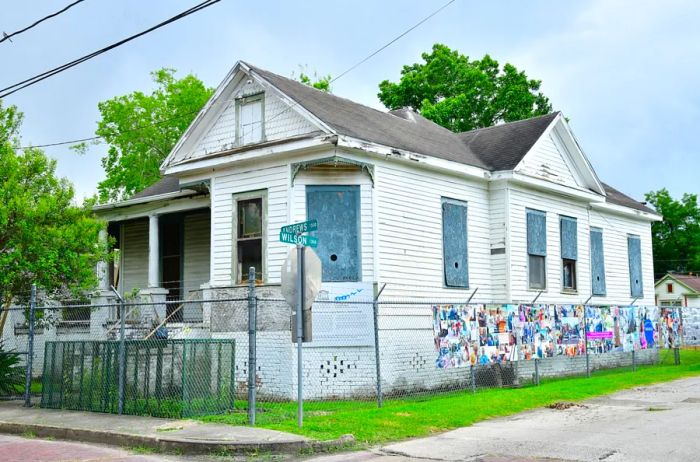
(11,373)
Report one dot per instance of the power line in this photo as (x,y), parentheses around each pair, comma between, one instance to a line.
(45,75)
(294,103)
(6,36)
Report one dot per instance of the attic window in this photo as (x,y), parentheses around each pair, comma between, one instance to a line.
(669,288)
(250,112)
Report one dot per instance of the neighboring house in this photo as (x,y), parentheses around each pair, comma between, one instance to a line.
(514,212)
(682,290)
(678,290)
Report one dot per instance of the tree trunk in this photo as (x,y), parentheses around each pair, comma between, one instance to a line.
(3,316)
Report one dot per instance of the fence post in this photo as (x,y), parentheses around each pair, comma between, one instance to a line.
(377,364)
(634,362)
(30,350)
(537,371)
(252,367)
(585,337)
(122,353)
(472,377)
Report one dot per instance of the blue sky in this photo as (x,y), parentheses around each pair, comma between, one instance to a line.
(625,72)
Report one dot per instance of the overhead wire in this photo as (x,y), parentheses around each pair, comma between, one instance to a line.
(294,103)
(6,36)
(4,92)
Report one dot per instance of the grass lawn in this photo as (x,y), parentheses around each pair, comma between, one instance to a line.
(413,417)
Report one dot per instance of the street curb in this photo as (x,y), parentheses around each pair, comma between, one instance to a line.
(171,444)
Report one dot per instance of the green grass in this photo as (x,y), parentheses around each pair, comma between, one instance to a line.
(413,417)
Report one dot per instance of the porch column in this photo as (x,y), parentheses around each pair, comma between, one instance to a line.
(153,252)
(102,269)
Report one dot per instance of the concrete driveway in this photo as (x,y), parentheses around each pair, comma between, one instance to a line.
(657,423)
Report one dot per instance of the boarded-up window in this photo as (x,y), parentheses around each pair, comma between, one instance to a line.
(634,255)
(250,120)
(569,251)
(454,243)
(597,262)
(337,209)
(536,248)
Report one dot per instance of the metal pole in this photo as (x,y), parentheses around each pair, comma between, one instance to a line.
(585,336)
(634,362)
(122,347)
(252,367)
(300,332)
(472,377)
(30,350)
(537,371)
(375,307)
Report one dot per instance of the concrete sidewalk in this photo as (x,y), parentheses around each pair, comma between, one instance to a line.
(185,436)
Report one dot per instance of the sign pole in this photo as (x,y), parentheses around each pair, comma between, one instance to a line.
(300,332)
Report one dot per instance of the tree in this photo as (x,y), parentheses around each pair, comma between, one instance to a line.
(462,95)
(45,238)
(141,129)
(322,83)
(676,239)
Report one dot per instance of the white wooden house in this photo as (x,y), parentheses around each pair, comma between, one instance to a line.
(514,211)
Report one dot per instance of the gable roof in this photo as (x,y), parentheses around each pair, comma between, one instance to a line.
(616,197)
(503,146)
(692,282)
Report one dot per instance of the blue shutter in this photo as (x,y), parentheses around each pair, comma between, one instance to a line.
(337,209)
(536,233)
(597,263)
(634,254)
(569,238)
(454,244)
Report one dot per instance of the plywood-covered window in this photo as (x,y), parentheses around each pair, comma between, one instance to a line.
(337,210)
(569,251)
(454,243)
(597,262)
(634,256)
(251,115)
(536,248)
(249,235)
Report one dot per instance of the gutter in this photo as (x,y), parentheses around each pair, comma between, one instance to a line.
(145,200)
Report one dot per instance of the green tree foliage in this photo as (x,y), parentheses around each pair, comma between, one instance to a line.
(141,129)
(45,238)
(462,95)
(322,83)
(676,239)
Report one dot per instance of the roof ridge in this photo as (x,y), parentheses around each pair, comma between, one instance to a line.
(508,124)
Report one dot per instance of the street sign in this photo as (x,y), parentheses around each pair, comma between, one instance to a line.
(303,239)
(298,228)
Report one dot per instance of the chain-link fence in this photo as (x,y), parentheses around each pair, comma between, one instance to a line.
(237,346)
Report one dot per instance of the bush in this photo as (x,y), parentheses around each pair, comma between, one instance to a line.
(11,373)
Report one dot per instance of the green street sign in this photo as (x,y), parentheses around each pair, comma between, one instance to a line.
(294,238)
(303,227)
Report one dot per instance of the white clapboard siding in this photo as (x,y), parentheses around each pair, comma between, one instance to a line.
(409,217)
(280,121)
(546,162)
(196,250)
(555,207)
(497,230)
(617,280)
(615,229)
(134,255)
(225,184)
(340,176)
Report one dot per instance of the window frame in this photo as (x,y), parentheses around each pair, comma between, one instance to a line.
(529,255)
(459,203)
(604,291)
(242,101)
(236,278)
(568,260)
(630,238)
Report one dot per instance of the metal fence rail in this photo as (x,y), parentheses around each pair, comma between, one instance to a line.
(239,354)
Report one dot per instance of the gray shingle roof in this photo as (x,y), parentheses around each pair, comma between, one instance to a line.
(616,197)
(167,184)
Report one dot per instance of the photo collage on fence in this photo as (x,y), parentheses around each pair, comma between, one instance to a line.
(486,334)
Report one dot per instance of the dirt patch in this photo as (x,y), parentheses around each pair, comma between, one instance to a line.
(563,405)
